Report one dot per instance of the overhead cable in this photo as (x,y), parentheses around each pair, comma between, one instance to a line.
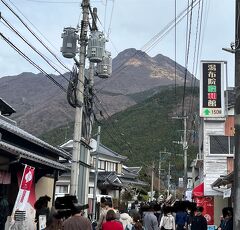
(30,30)
(33,48)
(148,46)
(187,59)
(33,63)
(33,26)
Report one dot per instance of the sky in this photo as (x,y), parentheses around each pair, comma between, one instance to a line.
(127,23)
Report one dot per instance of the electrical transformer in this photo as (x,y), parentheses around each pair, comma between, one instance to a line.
(104,68)
(96,46)
(70,37)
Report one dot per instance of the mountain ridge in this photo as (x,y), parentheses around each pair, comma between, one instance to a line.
(41,106)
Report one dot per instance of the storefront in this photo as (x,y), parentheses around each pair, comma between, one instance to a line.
(18,149)
(207,202)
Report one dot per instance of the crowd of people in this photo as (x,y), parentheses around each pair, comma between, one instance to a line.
(144,216)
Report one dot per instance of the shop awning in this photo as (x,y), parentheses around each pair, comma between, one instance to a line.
(224,180)
(198,191)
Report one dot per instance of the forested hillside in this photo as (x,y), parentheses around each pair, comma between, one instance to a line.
(143,130)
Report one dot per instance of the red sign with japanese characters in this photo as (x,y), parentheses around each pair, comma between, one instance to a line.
(24,189)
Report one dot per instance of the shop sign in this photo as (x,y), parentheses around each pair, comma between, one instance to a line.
(212,89)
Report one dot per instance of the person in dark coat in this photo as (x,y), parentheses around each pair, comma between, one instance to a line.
(41,207)
(4,211)
(77,221)
(199,222)
(228,219)
(181,220)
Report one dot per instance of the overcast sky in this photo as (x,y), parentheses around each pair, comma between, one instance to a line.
(133,24)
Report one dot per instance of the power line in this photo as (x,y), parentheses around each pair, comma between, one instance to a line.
(33,25)
(111,16)
(195,55)
(33,48)
(30,30)
(33,63)
(149,45)
(107,128)
(118,132)
(38,52)
(187,57)
(58,2)
(175,51)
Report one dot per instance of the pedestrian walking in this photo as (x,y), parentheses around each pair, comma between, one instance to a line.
(4,211)
(125,219)
(77,221)
(181,220)
(227,223)
(167,221)
(105,207)
(150,221)
(199,222)
(111,222)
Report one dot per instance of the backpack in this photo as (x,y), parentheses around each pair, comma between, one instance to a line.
(129,227)
(132,227)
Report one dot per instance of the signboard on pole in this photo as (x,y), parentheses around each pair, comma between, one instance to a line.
(24,189)
(212,89)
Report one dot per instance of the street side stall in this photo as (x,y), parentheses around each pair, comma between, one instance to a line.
(20,189)
(207,202)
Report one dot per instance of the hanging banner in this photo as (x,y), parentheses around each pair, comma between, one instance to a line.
(207,202)
(24,189)
(212,89)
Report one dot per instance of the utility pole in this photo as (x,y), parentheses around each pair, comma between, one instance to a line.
(160,166)
(96,175)
(236,185)
(152,180)
(169,175)
(159,171)
(91,70)
(79,108)
(185,146)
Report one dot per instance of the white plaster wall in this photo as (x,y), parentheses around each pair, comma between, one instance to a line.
(214,165)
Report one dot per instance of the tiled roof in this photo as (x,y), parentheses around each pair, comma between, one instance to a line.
(32,156)
(108,152)
(131,170)
(5,108)
(128,181)
(103,150)
(109,178)
(27,136)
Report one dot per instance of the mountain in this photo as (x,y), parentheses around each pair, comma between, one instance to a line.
(143,130)
(134,71)
(42,106)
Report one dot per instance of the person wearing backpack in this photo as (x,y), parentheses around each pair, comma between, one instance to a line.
(181,220)
(167,221)
(136,224)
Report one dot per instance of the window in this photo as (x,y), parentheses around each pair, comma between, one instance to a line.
(111,166)
(90,190)
(101,164)
(62,189)
(221,145)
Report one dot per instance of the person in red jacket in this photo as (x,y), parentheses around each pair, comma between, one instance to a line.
(111,222)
